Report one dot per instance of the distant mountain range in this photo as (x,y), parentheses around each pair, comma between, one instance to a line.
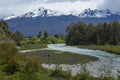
(54,22)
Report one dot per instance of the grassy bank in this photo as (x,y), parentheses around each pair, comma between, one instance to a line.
(115,49)
(33,46)
(57,57)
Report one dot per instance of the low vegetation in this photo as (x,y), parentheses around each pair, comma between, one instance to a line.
(36,42)
(115,49)
(33,46)
(17,66)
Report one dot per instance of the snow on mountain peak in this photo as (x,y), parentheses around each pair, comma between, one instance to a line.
(72,12)
(42,12)
(95,13)
(9,17)
(118,12)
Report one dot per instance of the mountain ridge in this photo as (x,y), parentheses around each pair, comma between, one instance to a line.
(55,22)
(43,12)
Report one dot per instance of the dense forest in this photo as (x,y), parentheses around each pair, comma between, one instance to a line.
(100,34)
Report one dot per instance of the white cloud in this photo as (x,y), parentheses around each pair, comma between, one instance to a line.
(113,5)
(21,6)
(76,6)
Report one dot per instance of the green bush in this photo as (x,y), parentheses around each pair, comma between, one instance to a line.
(35,40)
(7,50)
(55,40)
(33,46)
(11,67)
(58,73)
(30,70)
(8,58)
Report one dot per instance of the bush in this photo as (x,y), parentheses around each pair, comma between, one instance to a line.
(33,46)
(7,50)
(35,40)
(55,40)
(8,54)
(58,73)
(30,69)
(12,66)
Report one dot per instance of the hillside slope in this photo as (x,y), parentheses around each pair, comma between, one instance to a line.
(4,31)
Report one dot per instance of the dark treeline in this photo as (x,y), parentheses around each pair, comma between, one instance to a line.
(100,34)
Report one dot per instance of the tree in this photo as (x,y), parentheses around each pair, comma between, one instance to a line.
(56,35)
(90,31)
(115,33)
(45,34)
(101,34)
(39,34)
(18,36)
(76,34)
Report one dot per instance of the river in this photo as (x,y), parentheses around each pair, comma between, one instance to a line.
(96,53)
(108,63)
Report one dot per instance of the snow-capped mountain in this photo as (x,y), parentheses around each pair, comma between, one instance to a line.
(35,13)
(43,12)
(9,17)
(43,19)
(118,12)
(73,12)
(95,13)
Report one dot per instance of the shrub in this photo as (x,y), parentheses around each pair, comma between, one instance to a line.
(35,40)
(7,50)
(58,73)
(30,69)
(12,66)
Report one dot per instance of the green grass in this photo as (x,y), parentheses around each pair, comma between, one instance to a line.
(33,46)
(57,57)
(115,49)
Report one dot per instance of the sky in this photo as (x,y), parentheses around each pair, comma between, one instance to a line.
(19,7)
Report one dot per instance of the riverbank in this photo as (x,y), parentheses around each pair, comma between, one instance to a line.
(107,65)
(58,57)
(114,49)
(33,46)
(32,68)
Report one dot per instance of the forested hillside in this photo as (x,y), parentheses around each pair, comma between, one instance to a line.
(4,31)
